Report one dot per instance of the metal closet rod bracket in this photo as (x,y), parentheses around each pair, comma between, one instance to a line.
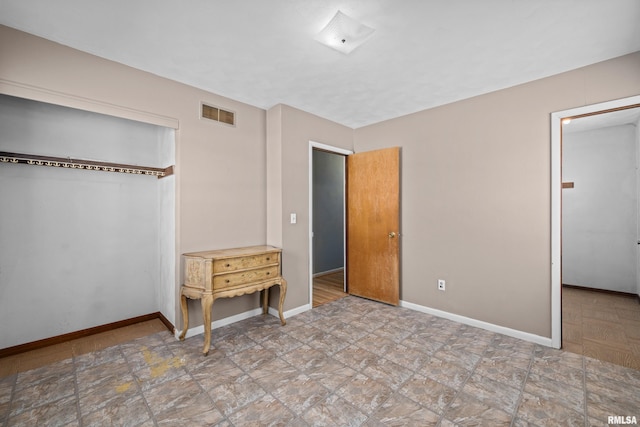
(68,162)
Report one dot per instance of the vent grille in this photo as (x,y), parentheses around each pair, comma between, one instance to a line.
(218,114)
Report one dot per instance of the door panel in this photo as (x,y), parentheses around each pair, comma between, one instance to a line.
(373,225)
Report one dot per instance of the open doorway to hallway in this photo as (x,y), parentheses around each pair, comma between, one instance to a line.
(600,307)
(327,211)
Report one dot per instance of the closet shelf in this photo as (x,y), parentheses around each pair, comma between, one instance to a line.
(68,162)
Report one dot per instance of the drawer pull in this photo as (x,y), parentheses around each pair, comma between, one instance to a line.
(227,265)
(226,281)
(268,259)
(268,273)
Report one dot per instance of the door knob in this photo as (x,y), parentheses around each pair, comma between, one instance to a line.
(392,235)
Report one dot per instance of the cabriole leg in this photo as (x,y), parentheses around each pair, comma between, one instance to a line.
(265,301)
(185,316)
(283,293)
(207,302)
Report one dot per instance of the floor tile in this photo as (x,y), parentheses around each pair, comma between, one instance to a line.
(180,392)
(445,372)
(467,410)
(356,357)
(540,411)
(398,410)
(492,392)
(229,397)
(331,373)
(364,393)
(300,393)
(61,412)
(428,393)
(388,373)
(502,372)
(266,411)
(334,411)
(560,392)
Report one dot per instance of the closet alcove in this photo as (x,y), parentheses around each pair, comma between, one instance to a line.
(80,247)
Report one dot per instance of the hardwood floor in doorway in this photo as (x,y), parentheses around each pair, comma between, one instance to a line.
(328,287)
(605,326)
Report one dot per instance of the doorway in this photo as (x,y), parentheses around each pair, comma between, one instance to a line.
(327,243)
(601,118)
(373,251)
(599,236)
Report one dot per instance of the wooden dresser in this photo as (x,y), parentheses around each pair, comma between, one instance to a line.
(227,273)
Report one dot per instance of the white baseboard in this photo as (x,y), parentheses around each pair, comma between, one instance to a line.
(480,324)
(242,316)
(290,313)
(322,273)
(222,322)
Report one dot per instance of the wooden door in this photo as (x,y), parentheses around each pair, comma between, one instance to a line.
(373,225)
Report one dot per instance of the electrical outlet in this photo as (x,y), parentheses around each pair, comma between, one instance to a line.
(441,284)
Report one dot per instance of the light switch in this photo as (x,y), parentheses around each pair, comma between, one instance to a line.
(294,218)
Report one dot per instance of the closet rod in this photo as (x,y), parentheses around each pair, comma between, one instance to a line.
(68,162)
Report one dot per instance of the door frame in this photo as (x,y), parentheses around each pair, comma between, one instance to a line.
(336,150)
(556,200)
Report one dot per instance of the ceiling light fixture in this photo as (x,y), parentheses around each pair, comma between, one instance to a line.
(344,34)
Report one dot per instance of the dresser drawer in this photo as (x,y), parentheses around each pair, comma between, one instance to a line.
(231,280)
(245,262)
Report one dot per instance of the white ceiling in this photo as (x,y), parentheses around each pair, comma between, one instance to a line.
(424,53)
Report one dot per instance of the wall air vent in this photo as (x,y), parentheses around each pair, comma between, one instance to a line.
(218,114)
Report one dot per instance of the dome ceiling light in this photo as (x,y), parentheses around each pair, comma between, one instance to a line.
(344,34)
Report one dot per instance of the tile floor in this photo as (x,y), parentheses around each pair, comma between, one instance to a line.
(347,363)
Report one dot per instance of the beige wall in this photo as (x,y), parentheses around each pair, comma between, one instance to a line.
(221,190)
(476,194)
(290,131)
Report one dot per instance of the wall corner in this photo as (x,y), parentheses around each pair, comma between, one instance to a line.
(274,176)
